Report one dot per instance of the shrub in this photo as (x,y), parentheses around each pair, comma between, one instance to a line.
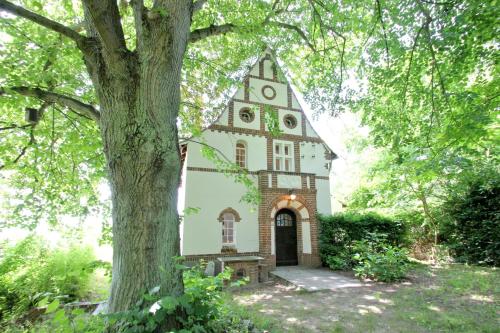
(379,261)
(473,232)
(200,309)
(30,270)
(338,233)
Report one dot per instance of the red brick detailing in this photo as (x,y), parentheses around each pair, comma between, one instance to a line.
(265,92)
(265,79)
(296,155)
(259,103)
(214,256)
(246,90)
(289,95)
(303,120)
(289,137)
(248,269)
(230,116)
(323,177)
(237,217)
(262,119)
(270,162)
(221,171)
(270,198)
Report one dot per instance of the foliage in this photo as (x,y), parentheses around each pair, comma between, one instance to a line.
(378,260)
(338,233)
(272,121)
(200,309)
(473,231)
(431,105)
(31,270)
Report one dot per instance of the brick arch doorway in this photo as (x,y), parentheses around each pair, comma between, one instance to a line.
(285,223)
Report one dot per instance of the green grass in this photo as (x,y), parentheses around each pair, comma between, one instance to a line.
(456,298)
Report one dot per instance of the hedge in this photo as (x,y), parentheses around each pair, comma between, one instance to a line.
(339,231)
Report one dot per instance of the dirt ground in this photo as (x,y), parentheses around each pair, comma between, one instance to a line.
(423,303)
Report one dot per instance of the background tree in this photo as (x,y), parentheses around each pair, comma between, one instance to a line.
(112,80)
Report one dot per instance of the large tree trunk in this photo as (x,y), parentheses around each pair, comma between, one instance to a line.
(139,94)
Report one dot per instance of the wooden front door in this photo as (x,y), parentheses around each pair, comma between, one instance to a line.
(286,238)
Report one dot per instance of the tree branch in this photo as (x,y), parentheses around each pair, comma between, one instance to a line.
(198,5)
(301,33)
(105,18)
(379,10)
(212,30)
(43,21)
(50,97)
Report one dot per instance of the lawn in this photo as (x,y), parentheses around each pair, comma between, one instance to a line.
(455,298)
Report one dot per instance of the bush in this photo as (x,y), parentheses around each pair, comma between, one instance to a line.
(339,232)
(473,233)
(380,261)
(30,271)
(200,309)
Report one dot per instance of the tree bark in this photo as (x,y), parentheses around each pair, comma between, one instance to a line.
(139,95)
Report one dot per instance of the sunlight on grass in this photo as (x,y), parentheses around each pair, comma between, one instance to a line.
(455,298)
(482,298)
(434,308)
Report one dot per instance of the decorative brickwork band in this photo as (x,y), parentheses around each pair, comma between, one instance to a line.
(230,210)
(230,116)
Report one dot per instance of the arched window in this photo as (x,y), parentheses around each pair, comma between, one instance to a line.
(241,154)
(228,229)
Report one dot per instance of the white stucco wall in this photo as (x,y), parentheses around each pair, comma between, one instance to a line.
(310,131)
(306,237)
(223,119)
(289,181)
(268,69)
(226,143)
(212,193)
(323,196)
(313,158)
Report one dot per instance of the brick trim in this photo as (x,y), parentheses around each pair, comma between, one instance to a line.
(296,156)
(272,96)
(260,103)
(230,210)
(246,90)
(230,116)
(323,177)
(217,170)
(214,256)
(249,131)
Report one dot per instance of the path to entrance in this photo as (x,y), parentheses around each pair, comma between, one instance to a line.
(314,279)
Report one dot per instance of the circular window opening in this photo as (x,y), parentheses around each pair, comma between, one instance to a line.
(247,115)
(290,121)
(268,92)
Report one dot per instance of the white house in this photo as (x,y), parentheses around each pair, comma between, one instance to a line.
(291,172)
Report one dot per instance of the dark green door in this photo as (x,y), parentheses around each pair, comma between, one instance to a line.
(286,238)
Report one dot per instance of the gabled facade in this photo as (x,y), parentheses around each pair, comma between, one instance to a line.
(291,172)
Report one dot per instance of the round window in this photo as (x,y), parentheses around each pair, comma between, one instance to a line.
(290,121)
(268,92)
(247,115)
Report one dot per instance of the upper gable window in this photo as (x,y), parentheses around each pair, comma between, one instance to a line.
(290,121)
(228,229)
(283,156)
(247,115)
(241,154)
